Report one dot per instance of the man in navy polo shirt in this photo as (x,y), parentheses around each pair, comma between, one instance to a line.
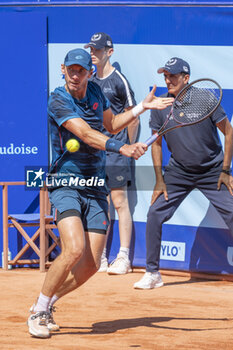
(79,111)
(197,161)
(117,89)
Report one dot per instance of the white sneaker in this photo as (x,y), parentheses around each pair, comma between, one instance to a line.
(119,266)
(37,324)
(52,325)
(149,280)
(103,265)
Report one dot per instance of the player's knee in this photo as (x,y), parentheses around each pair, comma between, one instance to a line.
(121,203)
(77,253)
(119,199)
(117,205)
(72,256)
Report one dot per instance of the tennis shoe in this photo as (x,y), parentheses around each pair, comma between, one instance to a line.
(149,280)
(103,265)
(38,324)
(52,325)
(119,266)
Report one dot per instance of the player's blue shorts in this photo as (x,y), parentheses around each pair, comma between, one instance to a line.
(118,170)
(92,211)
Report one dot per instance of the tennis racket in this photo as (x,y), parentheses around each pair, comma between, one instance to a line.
(193,104)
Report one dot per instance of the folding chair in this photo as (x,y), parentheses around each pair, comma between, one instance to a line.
(42,220)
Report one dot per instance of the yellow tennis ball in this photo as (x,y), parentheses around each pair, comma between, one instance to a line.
(72,145)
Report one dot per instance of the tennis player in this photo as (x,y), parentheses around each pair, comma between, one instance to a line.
(80,110)
(117,89)
(197,161)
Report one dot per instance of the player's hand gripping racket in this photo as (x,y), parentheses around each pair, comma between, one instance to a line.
(194,103)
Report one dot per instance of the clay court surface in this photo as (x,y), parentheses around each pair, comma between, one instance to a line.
(108,314)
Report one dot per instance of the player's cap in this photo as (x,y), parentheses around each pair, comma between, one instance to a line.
(99,41)
(175,65)
(80,57)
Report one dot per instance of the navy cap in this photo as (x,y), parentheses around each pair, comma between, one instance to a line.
(175,65)
(80,57)
(99,41)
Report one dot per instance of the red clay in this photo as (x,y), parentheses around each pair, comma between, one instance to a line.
(107,314)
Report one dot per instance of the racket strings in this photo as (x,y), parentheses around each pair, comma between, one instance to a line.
(196,102)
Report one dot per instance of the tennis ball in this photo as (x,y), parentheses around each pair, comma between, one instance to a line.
(72,145)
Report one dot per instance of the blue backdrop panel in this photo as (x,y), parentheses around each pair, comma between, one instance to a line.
(185,248)
(23,121)
(199,35)
(118,2)
(147,25)
(23,99)
(192,26)
(145,37)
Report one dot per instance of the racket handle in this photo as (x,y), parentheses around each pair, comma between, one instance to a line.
(151,139)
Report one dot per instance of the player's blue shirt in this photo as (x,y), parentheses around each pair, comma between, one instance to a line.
(195,148)
(87,162)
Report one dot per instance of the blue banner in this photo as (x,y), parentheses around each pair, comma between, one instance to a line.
(23,99)
(187,248)
(23,121)
(120,2)
(144,37)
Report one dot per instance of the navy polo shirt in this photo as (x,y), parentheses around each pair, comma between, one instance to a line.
(195,148)
(121,96)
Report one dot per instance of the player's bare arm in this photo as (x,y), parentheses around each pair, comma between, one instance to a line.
(115,123)
(160,186)
(98,140)
(225,178)
(82,130)
(132,128)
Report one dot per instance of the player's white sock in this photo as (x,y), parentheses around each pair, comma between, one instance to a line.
(124,252)
(53,300)
(42,303)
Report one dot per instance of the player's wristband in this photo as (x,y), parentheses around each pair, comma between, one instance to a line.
(225,171)
(137,110)
(113,145)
